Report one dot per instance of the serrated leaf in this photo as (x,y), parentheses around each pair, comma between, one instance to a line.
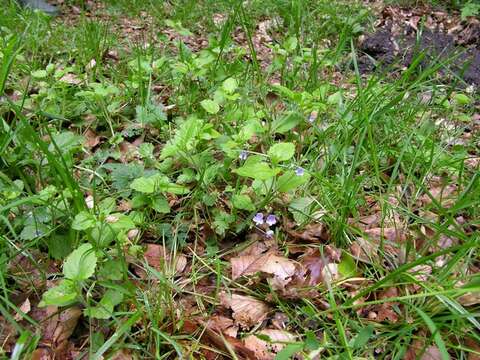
(210,106)
(80,264)
(290,181)
(63,294)
(281,152)
(242,202)
(230,85)
(83,221)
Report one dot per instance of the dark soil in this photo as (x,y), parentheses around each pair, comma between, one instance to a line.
(398,49)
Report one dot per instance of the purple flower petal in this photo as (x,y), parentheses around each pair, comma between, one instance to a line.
(271,220)
(269,233)
(299,171)
(243,155)
(258,219)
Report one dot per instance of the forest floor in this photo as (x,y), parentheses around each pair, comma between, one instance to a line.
(240,180)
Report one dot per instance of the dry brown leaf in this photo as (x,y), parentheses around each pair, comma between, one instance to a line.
(71,79)
(247,311)
(157,257)
(91,139)
(280,267)
(312,232)
(391,234)
(123,354)
(385,310)
(24,308)
(444,195)
(475,349)
(264,350)
(223,324)
(59,326)
(42,354)
(432,353)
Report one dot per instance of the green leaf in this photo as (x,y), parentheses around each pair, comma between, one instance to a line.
(362,338)
(80,264)
(462,99)
(290,181)
(185,139)
(281,152)
(222,222)
(230,85)
(160,204)
(39,74)
(288,351)
(300,209)
(210,106)
(286,123)
(104,309)
(144,185)
(242,202)
(256,169)
(347,267)
(63,294)
(83,221)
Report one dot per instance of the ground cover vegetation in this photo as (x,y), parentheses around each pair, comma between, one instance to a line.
(239,180)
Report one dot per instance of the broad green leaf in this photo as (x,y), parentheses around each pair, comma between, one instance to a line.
(462,99)
(210,106)
(286,123)
(281,152)
(185,139)
(289,351)
(160,204)
(81,263)
(290,181)
(300,209)
(39,74)
(63,294)
(230,85)
(242,202)
(347,267)
(83,221)
(255,169)
(144,185)
(104,309)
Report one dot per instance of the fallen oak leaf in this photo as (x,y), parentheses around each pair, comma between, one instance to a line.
(247,311)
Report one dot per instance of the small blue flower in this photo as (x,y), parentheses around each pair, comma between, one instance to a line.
(243,155)
(312,117)
(269,233)
(258,219)
(271,220)
(299,171)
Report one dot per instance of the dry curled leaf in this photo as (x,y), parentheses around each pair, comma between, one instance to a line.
(280,267)
(24,309)
(159,258)
(264,350)
(312,232)
(247,311)
(223,324)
